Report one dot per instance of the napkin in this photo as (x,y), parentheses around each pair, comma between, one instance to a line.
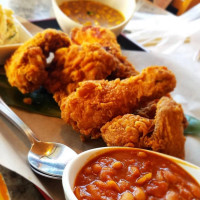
(160,31)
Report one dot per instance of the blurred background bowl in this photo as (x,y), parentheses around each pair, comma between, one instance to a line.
(75,165)
(126,7)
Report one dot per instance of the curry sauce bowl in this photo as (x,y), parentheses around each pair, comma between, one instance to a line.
(126,8)
(129,173)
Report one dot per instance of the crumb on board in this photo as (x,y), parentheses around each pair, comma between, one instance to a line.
(27,100)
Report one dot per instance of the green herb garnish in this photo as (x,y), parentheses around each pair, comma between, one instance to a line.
(90,13)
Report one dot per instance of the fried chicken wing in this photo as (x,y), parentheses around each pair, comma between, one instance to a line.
(168,136)
(78,63)
(26,68)
(96,102)
(107,39)
(164,133)
(126,130)
(148,110)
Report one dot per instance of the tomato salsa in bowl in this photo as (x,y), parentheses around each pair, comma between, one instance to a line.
(123,173)
(113,15)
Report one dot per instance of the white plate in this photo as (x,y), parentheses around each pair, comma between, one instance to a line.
(8,49)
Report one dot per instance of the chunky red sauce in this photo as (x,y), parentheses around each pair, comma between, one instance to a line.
(134,175)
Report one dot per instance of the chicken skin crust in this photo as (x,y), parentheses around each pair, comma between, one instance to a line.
(107,39)
(164,133)
(127,130)
(78,63)
(103,36)
(168,135)
(26,68)
(96,102)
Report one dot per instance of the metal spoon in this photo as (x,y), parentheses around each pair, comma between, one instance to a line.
(46,158)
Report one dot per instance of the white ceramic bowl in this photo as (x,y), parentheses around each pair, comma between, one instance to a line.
(74,166)
(7,50)
(127,7)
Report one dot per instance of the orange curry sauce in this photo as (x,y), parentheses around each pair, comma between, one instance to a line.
(92,13)
(134,175)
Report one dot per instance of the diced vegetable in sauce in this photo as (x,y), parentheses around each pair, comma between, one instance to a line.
(134,175)
(92,13)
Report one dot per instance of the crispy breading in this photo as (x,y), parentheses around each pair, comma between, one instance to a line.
(78,63)
(148,110)
(137,111)
(103,36)
(26,68)
(126,130)
(96,102)
(164,133)
(168,136)
(107,39)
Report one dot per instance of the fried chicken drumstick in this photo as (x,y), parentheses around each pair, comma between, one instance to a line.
(96,102)
(158,134)
(25,69)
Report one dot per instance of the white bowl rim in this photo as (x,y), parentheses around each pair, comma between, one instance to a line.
(63,14)
(101,150)
(111,28)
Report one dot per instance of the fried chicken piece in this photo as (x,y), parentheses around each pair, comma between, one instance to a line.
(168,136)
(163,134)
(78,63)
(126,130)
(125,69)
(107,39)
(96,102)
(148,110)
(26,68)
(103,36)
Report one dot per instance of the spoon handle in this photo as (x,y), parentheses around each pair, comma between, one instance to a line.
(15,120)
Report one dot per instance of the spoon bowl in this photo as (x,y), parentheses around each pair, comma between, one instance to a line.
(50,158)
(45,158)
